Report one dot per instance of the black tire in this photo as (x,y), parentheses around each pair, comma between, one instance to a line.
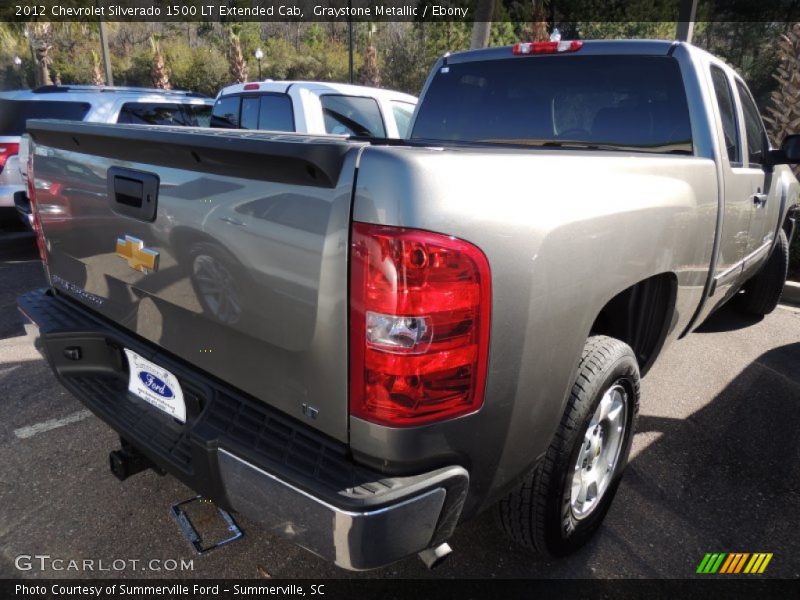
(762,293)
(538,514)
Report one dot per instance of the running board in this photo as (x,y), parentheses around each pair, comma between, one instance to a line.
(189,530)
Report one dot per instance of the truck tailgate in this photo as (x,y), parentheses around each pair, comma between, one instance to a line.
(227,249)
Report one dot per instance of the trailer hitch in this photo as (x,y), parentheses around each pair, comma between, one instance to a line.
(129,461)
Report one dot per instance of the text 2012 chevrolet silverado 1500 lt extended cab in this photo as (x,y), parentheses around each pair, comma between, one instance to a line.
(361,343)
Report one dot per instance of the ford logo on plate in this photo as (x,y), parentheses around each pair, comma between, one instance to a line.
(154,384)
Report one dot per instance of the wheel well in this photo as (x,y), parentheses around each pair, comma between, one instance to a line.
(640,316)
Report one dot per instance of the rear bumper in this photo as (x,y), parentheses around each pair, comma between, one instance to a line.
(248,457)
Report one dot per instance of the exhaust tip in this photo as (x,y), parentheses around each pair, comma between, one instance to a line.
(433,557)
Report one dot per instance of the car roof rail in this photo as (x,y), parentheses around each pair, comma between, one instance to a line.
(53,89)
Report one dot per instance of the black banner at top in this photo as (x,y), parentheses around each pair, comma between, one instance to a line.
(395,10)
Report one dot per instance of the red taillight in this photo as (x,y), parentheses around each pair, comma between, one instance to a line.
(37,225)
(251,86)
(419,325)
(546,47)
(7,150)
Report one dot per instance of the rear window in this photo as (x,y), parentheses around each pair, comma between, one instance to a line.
(226,112)
(634,102)
(14,113)
(352,115)
(272,112)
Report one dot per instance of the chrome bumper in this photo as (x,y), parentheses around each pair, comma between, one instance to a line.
(355,540)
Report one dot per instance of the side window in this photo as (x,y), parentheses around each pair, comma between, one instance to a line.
(352,115)
(276,113)
(402,112)
(722,89)
(150,113)
(226,112)
(754,128)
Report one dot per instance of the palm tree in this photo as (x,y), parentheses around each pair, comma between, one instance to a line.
(97,70)
(370,71)
(482,26)
(237,65)
(40,37)
(159,74)
(538,32)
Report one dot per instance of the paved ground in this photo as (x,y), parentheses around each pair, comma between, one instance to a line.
(715,467)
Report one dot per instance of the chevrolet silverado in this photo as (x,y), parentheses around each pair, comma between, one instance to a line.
(362,342)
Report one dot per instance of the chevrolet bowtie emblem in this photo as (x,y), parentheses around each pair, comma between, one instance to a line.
(140,258)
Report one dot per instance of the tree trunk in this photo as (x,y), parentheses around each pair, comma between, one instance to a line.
(539,27)
(40,38)
(482,27)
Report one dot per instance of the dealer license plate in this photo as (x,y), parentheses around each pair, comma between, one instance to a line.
(155,385)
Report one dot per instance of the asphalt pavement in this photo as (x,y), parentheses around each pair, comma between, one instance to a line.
(715,467)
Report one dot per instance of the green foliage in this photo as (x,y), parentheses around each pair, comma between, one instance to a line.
(196,52)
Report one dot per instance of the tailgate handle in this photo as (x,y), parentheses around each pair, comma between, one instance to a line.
(133,193)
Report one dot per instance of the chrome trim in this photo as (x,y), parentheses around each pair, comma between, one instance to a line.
(353,540)
(728,276)
(759,253)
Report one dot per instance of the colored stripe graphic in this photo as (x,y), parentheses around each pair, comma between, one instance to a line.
(741,562)
(728,562)
(711,563)
(734,562)
(764,564)
(702,567)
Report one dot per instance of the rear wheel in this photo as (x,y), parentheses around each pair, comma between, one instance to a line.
(762,293)
(563,501)
(215,280)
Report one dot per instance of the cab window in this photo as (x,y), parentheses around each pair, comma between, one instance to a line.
(754,128)
(730,129)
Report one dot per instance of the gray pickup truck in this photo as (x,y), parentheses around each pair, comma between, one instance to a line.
(361,343)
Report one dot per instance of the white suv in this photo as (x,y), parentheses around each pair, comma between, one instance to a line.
(314,107)
(100,104)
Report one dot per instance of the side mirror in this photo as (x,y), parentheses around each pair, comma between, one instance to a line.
(789,154)
(791,149)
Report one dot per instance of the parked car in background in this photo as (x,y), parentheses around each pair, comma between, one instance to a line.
(314,107)
(100,104)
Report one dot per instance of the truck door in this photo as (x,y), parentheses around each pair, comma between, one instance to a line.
(737,184)
(764,190)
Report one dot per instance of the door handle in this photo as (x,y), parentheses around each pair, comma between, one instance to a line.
(760,199)
(133,193)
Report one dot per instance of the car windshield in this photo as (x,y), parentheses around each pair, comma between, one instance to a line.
(15,113)
(630,102)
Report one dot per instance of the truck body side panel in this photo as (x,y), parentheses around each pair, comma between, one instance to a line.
(564,232)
